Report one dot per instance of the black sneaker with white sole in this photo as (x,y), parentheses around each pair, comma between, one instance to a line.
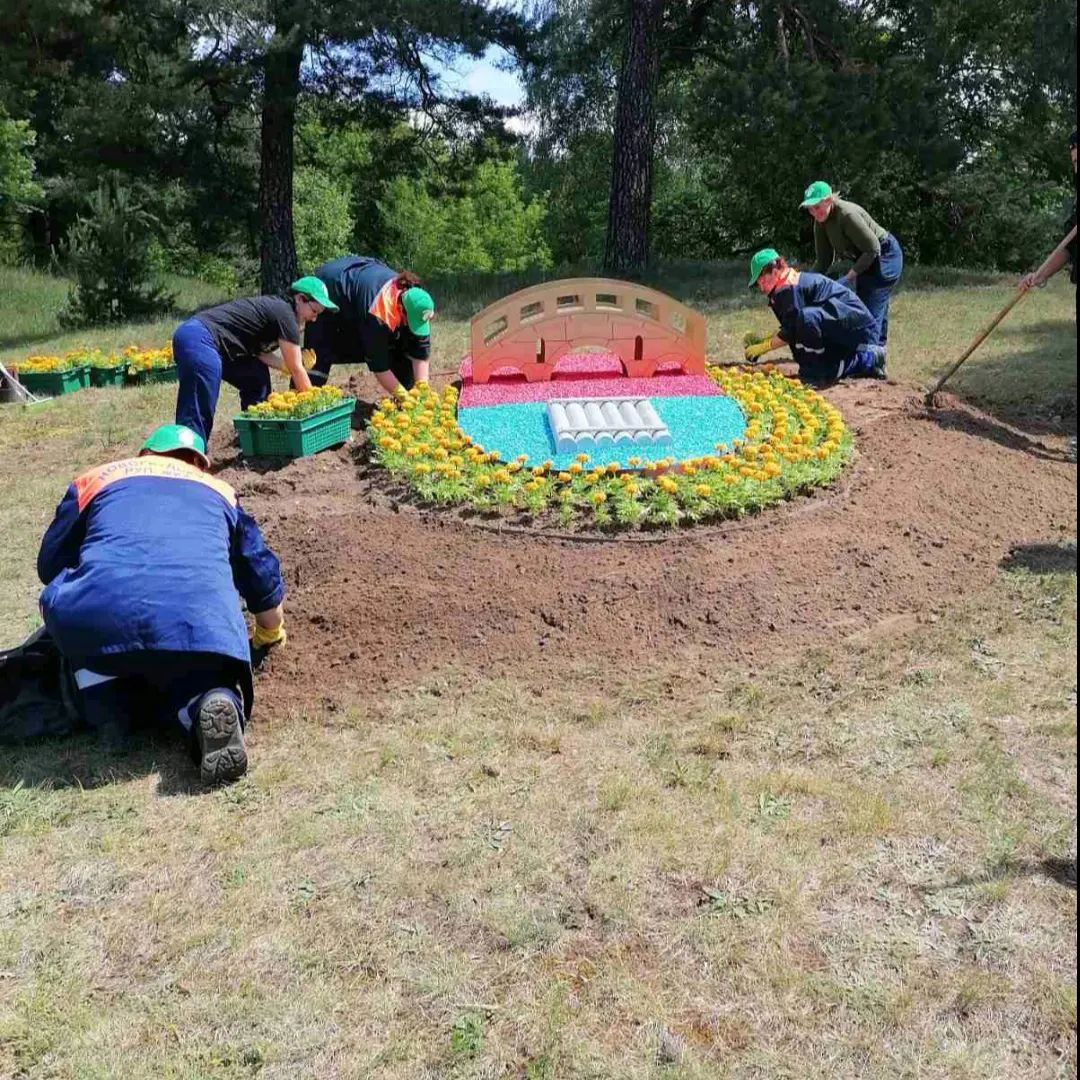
(219,734)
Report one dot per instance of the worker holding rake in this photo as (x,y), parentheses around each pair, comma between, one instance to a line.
(384,322)
(827,327)
(142,567)
(1064,255)
(844,230)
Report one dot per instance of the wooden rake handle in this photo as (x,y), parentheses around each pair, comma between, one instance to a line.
(987,330)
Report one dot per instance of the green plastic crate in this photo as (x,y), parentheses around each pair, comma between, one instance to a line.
(295,438)
(157,375)
(56,383)
(108,376)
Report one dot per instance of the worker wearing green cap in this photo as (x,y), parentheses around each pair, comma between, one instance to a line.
(828,328)
(144,567)
(844,230)
(384,322)
(235,342)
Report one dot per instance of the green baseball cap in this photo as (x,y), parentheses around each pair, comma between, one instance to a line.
(170,437)
(418,303)
(817,192)
(314,289)
(758,263)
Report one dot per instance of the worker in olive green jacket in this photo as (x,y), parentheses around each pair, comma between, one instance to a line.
(844,230)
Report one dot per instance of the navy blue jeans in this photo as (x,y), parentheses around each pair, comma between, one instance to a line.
(875,285)
(202,371)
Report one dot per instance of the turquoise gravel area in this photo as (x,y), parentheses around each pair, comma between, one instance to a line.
(696,424)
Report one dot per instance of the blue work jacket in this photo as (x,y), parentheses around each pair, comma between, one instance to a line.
(150,554)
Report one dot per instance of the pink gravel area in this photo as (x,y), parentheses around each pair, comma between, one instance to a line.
(587,374)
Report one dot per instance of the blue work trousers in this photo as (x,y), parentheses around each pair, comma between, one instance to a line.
(202,371)
(153,691)
(875,285)
(824,366)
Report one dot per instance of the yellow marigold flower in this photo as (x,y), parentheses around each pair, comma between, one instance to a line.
(565,477)
(597,498)
(582,458)
(703,491)
(576,468)
(665,483)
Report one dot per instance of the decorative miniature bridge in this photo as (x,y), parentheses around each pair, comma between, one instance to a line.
(532,330)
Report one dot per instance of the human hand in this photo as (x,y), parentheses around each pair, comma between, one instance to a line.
(265,639)
(308,358)
(754,352)
(1029,281)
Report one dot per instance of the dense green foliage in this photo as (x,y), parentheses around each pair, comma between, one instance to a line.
(109,254)
(18,190)
(946,120)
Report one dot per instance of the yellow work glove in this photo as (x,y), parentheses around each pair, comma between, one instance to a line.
(755,337)
(307,358)
(263,639)
(753,353)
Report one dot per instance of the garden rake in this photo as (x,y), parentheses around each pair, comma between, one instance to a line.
(20,393)
(982,335)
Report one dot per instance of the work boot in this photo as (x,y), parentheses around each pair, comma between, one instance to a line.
(878,370)
(219,733)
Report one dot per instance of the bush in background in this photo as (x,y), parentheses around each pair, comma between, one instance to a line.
(19,192)
(109,255)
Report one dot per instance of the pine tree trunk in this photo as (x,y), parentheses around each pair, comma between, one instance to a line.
(626,253)
(277,246)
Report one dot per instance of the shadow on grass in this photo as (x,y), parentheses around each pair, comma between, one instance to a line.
(1033,387)
(1063,871)
(18,341)
(83,761)
(997,431)
(1042,558)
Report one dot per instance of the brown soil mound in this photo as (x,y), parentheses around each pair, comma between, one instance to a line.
(382,592)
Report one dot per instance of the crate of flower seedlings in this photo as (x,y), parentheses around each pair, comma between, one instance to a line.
(146,366)
(296,423)
(52,376)
(106,369)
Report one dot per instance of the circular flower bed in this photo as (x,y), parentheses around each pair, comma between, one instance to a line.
(794,441)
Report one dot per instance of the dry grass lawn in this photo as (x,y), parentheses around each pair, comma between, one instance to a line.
(857,863)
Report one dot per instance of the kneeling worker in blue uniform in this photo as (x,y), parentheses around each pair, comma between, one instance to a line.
(144,566)
(830,331)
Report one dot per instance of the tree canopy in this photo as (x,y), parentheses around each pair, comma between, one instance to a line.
(264,135)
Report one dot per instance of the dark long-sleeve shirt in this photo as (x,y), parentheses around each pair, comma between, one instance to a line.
(849,232)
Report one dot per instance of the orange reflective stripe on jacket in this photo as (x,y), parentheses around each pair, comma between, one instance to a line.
(387,306)
(93,483)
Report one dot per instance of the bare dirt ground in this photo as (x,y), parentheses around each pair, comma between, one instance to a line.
(934,503)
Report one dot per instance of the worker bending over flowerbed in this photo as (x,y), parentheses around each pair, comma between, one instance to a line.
(141,566)
(828,328)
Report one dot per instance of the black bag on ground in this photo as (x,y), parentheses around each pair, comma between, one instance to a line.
(37,691)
